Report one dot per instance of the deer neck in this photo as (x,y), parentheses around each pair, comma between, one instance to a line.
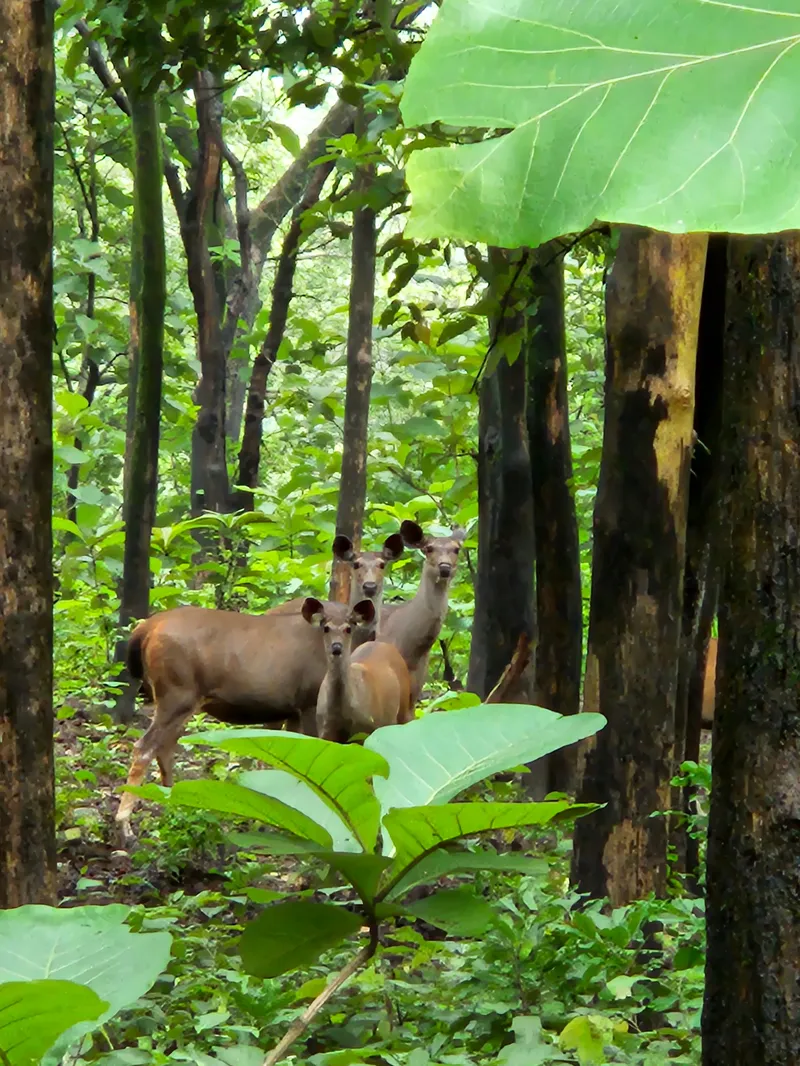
(432,596)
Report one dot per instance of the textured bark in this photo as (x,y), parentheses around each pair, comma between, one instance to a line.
(250,452)
(701,574)
(353,481)
(752,1005)
(504,604)
(652,314)
(559,606)
(141,477)
(27,812)
(210,489)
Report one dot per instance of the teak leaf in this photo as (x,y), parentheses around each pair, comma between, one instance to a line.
(288,935)
(33,1014)
(679,116)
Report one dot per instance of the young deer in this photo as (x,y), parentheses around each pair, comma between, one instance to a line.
(366,579)
(239,668)
(414,626)
(363,689)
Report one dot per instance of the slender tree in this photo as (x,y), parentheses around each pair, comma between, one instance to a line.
(353,483)
(559,605)
(652,313)
(752,1003)
(27,810)
(504,596)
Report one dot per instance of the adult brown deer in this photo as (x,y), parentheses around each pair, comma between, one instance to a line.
(414,626)
(239,668)
(363,688)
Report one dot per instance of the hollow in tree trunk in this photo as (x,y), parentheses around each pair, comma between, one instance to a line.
(504,597)
(353,483)
(652,314)
(559,605)
(752,997)
(141,475)
(27,809)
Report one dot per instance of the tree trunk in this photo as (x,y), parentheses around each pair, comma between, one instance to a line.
(559,604)
(353,481)
(141,476)
(652,314)
(250,452)
(701,572)
(752,1003)
(504,604)
(27,809)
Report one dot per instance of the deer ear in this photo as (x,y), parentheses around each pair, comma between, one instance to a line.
(459,534)
(312,610)
(412,534)
(343,548)
(363,613)
(392,548)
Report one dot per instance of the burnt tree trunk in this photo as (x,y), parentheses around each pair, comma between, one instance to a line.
(250,452)
(701,571)
(353,481)
(504,597)
(141,474)
(27,809)
(652,314)
(559,605)
(752,1003)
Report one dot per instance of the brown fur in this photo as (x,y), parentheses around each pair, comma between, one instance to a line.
(710,684)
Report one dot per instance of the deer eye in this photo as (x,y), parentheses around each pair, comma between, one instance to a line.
(456,551)
(356,566)
(429,549)
(347,629)
(326,629)
(382,566)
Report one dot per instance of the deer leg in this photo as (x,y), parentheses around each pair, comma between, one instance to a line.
(158,742)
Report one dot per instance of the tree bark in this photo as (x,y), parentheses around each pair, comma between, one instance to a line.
(652,314)
(353,480)
(559,604)
(752,1003)
(504,603)
(701,574)
(141,475)
(250,452)
(27,809)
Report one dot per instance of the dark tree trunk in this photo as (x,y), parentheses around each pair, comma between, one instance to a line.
(210,490)
(141,476)
(752,1004)
(701,572)
(27,809)
(353,481)
(559,606)
(652,314)
(91,370)
(504,603)
(250,452)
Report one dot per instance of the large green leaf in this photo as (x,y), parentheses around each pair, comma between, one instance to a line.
(415,831)
(34,1013)
(679,115)
(227,797)
(88,945)
(440,863)
(437,756)
(291,790)
(288,935)
(362,871)
(340,774)
(456,910)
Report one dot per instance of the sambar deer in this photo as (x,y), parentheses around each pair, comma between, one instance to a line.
(710,685)
(363,688)
(414,626)
(243,669)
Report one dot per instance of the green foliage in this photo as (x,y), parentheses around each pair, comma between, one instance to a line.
(678,117)
(34,1013)
(89,947)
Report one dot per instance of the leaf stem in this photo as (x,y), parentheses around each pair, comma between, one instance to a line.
(302,1023)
